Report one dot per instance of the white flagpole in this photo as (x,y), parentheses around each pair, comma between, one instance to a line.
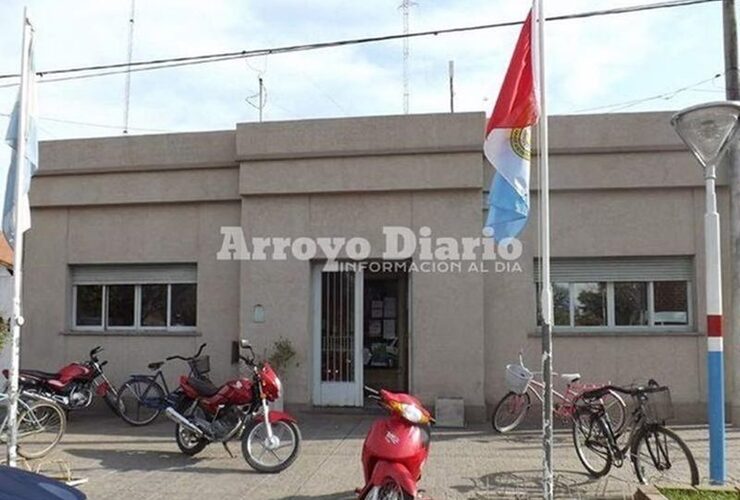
(546,299)
(17,322)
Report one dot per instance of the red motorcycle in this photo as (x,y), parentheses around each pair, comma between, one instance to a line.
(270,439)
(396,448)
(74,386)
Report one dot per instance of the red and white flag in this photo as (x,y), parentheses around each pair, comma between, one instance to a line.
(508,141)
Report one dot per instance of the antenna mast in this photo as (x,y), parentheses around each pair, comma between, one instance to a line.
(405,6)
(127,90)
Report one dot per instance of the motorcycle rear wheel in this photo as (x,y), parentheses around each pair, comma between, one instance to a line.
(189,443)
(255,450)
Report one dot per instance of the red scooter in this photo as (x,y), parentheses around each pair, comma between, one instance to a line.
(396,448)
(74,386)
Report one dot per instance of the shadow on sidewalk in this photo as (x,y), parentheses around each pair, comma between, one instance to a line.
(150,460)
(528,483)
(347,495)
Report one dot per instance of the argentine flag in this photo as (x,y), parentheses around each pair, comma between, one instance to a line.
(29,164)
(507,144)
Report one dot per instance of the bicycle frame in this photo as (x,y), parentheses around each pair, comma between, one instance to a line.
(153,380)
(5,401)
(565,407)
(636,425)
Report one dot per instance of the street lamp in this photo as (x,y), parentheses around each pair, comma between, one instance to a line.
(708,130)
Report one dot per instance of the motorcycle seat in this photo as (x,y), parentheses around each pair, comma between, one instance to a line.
(39,374)
(156,365)
(204,387)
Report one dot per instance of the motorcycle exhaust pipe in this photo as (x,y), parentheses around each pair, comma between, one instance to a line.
(41,397)
(173,415)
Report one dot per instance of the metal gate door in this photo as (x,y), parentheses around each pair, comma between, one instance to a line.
(337,337)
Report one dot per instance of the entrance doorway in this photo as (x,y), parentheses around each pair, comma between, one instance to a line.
(360,324)
(385,331)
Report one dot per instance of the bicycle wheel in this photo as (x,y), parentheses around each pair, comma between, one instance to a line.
(510,412)
(590,438)
(616,409)
(40,427)
(140,401)
(660,456)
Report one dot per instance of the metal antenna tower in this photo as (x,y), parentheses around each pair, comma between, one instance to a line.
(127,90)
(405,6)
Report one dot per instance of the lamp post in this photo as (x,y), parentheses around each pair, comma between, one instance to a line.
(708,129)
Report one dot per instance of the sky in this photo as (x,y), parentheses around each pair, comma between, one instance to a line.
(591,63)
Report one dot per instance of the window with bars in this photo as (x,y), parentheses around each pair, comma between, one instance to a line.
(135,297)
(637,294)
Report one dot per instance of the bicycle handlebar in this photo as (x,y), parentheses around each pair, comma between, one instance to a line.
(200,350)
(652,386)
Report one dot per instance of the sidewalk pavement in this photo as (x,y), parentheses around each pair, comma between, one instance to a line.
(123,462)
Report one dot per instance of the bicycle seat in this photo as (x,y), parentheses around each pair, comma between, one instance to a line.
(570,377)
(204,387)
(156,365)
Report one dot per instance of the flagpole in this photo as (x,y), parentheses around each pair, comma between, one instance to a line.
(547,313)
(20,153)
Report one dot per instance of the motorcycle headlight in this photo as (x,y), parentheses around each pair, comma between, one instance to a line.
(412,413)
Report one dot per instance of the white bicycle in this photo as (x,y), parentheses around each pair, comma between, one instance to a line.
(41,424)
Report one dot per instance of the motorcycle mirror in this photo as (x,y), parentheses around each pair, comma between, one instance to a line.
(244,344)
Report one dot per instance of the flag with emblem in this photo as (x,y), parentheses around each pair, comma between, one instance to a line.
(507,144)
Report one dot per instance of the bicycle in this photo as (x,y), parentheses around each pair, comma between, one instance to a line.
(143,397)
(513,407)
(40,423)
(653,449)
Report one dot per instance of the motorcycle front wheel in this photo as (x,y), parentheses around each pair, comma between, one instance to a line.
(271,455)
(390,490)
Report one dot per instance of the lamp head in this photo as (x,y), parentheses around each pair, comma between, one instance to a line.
(707,129)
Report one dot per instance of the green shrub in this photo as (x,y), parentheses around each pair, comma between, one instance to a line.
(282,353)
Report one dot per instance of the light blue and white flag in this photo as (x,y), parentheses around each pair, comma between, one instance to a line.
(29,164)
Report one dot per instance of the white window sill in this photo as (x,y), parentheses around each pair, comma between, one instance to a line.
(618,333)
(132,333)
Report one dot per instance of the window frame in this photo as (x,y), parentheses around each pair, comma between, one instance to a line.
(611,326)
(103,308)
(103,327)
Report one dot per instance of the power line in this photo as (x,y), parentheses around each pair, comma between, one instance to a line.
(90,124)
(665,95)
(225,56)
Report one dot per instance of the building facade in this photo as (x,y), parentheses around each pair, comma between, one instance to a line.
(151,245)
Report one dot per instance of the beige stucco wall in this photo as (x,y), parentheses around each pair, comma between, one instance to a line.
(127,234)
(621,185)
(327,184)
